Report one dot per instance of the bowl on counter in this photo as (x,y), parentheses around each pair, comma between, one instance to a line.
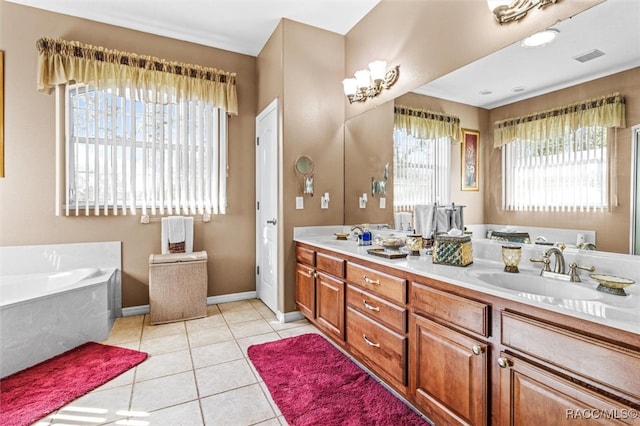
(612,284)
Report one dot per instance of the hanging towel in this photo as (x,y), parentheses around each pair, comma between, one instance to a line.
(176,229)
(443,220)
(423,215)
(402,221)
(177,234)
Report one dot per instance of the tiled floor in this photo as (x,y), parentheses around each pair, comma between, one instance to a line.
(197,372)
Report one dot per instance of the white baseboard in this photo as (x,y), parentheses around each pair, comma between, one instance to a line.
(211,300)
(289,316)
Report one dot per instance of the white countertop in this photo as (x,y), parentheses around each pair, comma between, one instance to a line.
(579,300)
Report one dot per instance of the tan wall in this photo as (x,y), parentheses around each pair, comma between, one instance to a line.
(430,38)
(27,192)
(612,228)
(312,124)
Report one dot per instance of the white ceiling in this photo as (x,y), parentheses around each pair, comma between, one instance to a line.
(243,26)
(612,27)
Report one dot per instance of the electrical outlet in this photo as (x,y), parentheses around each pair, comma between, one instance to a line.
(383,203)
(363,203)
(324,203)
(299,203)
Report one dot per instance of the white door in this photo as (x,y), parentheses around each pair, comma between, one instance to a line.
(267,206)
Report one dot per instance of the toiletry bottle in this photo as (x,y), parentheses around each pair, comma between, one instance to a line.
(366,236)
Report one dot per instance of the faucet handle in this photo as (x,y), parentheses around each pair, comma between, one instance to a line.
(545,261)
(573,271)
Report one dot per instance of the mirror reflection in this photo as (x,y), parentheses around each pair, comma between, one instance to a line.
(369,141)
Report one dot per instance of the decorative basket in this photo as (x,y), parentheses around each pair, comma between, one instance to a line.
(511,237)
(455,251)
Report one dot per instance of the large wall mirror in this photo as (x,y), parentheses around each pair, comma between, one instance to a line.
(368,136)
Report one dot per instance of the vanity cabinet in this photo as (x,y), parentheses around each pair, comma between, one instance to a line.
(377,321)
(320,289)
(549,373)
(449,368)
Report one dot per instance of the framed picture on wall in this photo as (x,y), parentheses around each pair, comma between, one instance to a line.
(470,161)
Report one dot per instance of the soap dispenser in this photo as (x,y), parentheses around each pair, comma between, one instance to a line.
(366,235)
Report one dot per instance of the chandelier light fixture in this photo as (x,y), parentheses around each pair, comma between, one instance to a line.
(513,10)
(369,83)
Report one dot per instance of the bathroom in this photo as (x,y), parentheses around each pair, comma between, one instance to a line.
(29,123)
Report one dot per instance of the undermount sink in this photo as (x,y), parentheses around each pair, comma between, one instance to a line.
(537,285)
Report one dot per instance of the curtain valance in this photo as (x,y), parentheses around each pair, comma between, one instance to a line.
(152,79)
(607,111)
(423,124)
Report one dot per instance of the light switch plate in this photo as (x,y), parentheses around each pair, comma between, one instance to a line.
(299,203)
(363,203)
(383,203)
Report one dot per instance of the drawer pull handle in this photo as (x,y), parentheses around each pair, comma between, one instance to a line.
(477,350)
(504,362)
(370,307)
(370,281)
(369,342)
(311,273)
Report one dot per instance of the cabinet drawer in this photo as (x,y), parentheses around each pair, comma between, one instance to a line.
(378,283)
(459,312)
(384,348)
(600,361)
(393,316)
(305,255)
(330,264)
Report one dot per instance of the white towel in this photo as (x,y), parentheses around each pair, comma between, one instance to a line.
(402,221)
(423,215)
(176,229)
(443,220)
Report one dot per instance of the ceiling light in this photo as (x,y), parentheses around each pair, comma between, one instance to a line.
(513,10)
(540,38)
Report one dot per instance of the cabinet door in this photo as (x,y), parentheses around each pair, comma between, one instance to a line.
(306,290)
(533,396)
(448,375)
(330,304)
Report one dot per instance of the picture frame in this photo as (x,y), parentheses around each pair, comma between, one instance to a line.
(470,160)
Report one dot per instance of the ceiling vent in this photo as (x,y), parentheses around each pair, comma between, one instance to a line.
(587,56)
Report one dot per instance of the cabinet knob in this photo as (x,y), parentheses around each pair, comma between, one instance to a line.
(370,281)
(311,272)
(504,362)
(370,307)
(477,350)
(369,342)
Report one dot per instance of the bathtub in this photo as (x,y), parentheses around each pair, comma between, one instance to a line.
(46,312)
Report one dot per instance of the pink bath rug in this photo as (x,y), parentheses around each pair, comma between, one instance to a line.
(313,383)
(37,391)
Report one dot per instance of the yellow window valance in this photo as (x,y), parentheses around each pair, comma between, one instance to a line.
(607,111)
(423,124)
(149,78)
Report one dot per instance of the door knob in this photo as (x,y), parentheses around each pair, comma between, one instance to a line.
(272,221)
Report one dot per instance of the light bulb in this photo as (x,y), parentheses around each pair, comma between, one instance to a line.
(363,77)
(350,86)
(377,69)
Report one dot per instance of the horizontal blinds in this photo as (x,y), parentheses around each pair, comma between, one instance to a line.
(161,158)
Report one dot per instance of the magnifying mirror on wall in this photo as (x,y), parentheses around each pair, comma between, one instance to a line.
(304,167)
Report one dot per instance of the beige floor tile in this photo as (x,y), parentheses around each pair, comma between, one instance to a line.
(241,305)
(277,325)
(125,378)
(210,321)
(274,406)
(164,365)
(163,330)
(209,336)
(98,406)
(217,353)
(233,317)
(123,335)
(213,310)
(283,421)
(250,328)
(253,340)
(270,422)
(163,392)
(187,414)
(242,406)
(297,331)
(224,377)
(166,344)
(135,321)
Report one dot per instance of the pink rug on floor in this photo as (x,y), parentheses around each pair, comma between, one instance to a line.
(314,383)
(37,391)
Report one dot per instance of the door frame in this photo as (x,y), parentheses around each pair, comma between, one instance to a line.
(258,213)
(634,235)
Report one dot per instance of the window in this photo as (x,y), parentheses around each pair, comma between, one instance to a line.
(566,173)
(422,170)
(123,154)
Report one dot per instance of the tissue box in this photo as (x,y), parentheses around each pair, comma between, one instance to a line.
(456,251)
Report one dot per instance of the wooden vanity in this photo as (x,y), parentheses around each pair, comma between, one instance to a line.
(463,356)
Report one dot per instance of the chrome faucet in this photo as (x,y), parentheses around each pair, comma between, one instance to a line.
(358,227)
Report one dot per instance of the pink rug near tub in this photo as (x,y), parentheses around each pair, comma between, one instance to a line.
(37,391)
(314,383)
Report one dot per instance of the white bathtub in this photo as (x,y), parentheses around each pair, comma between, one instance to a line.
(45,313)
